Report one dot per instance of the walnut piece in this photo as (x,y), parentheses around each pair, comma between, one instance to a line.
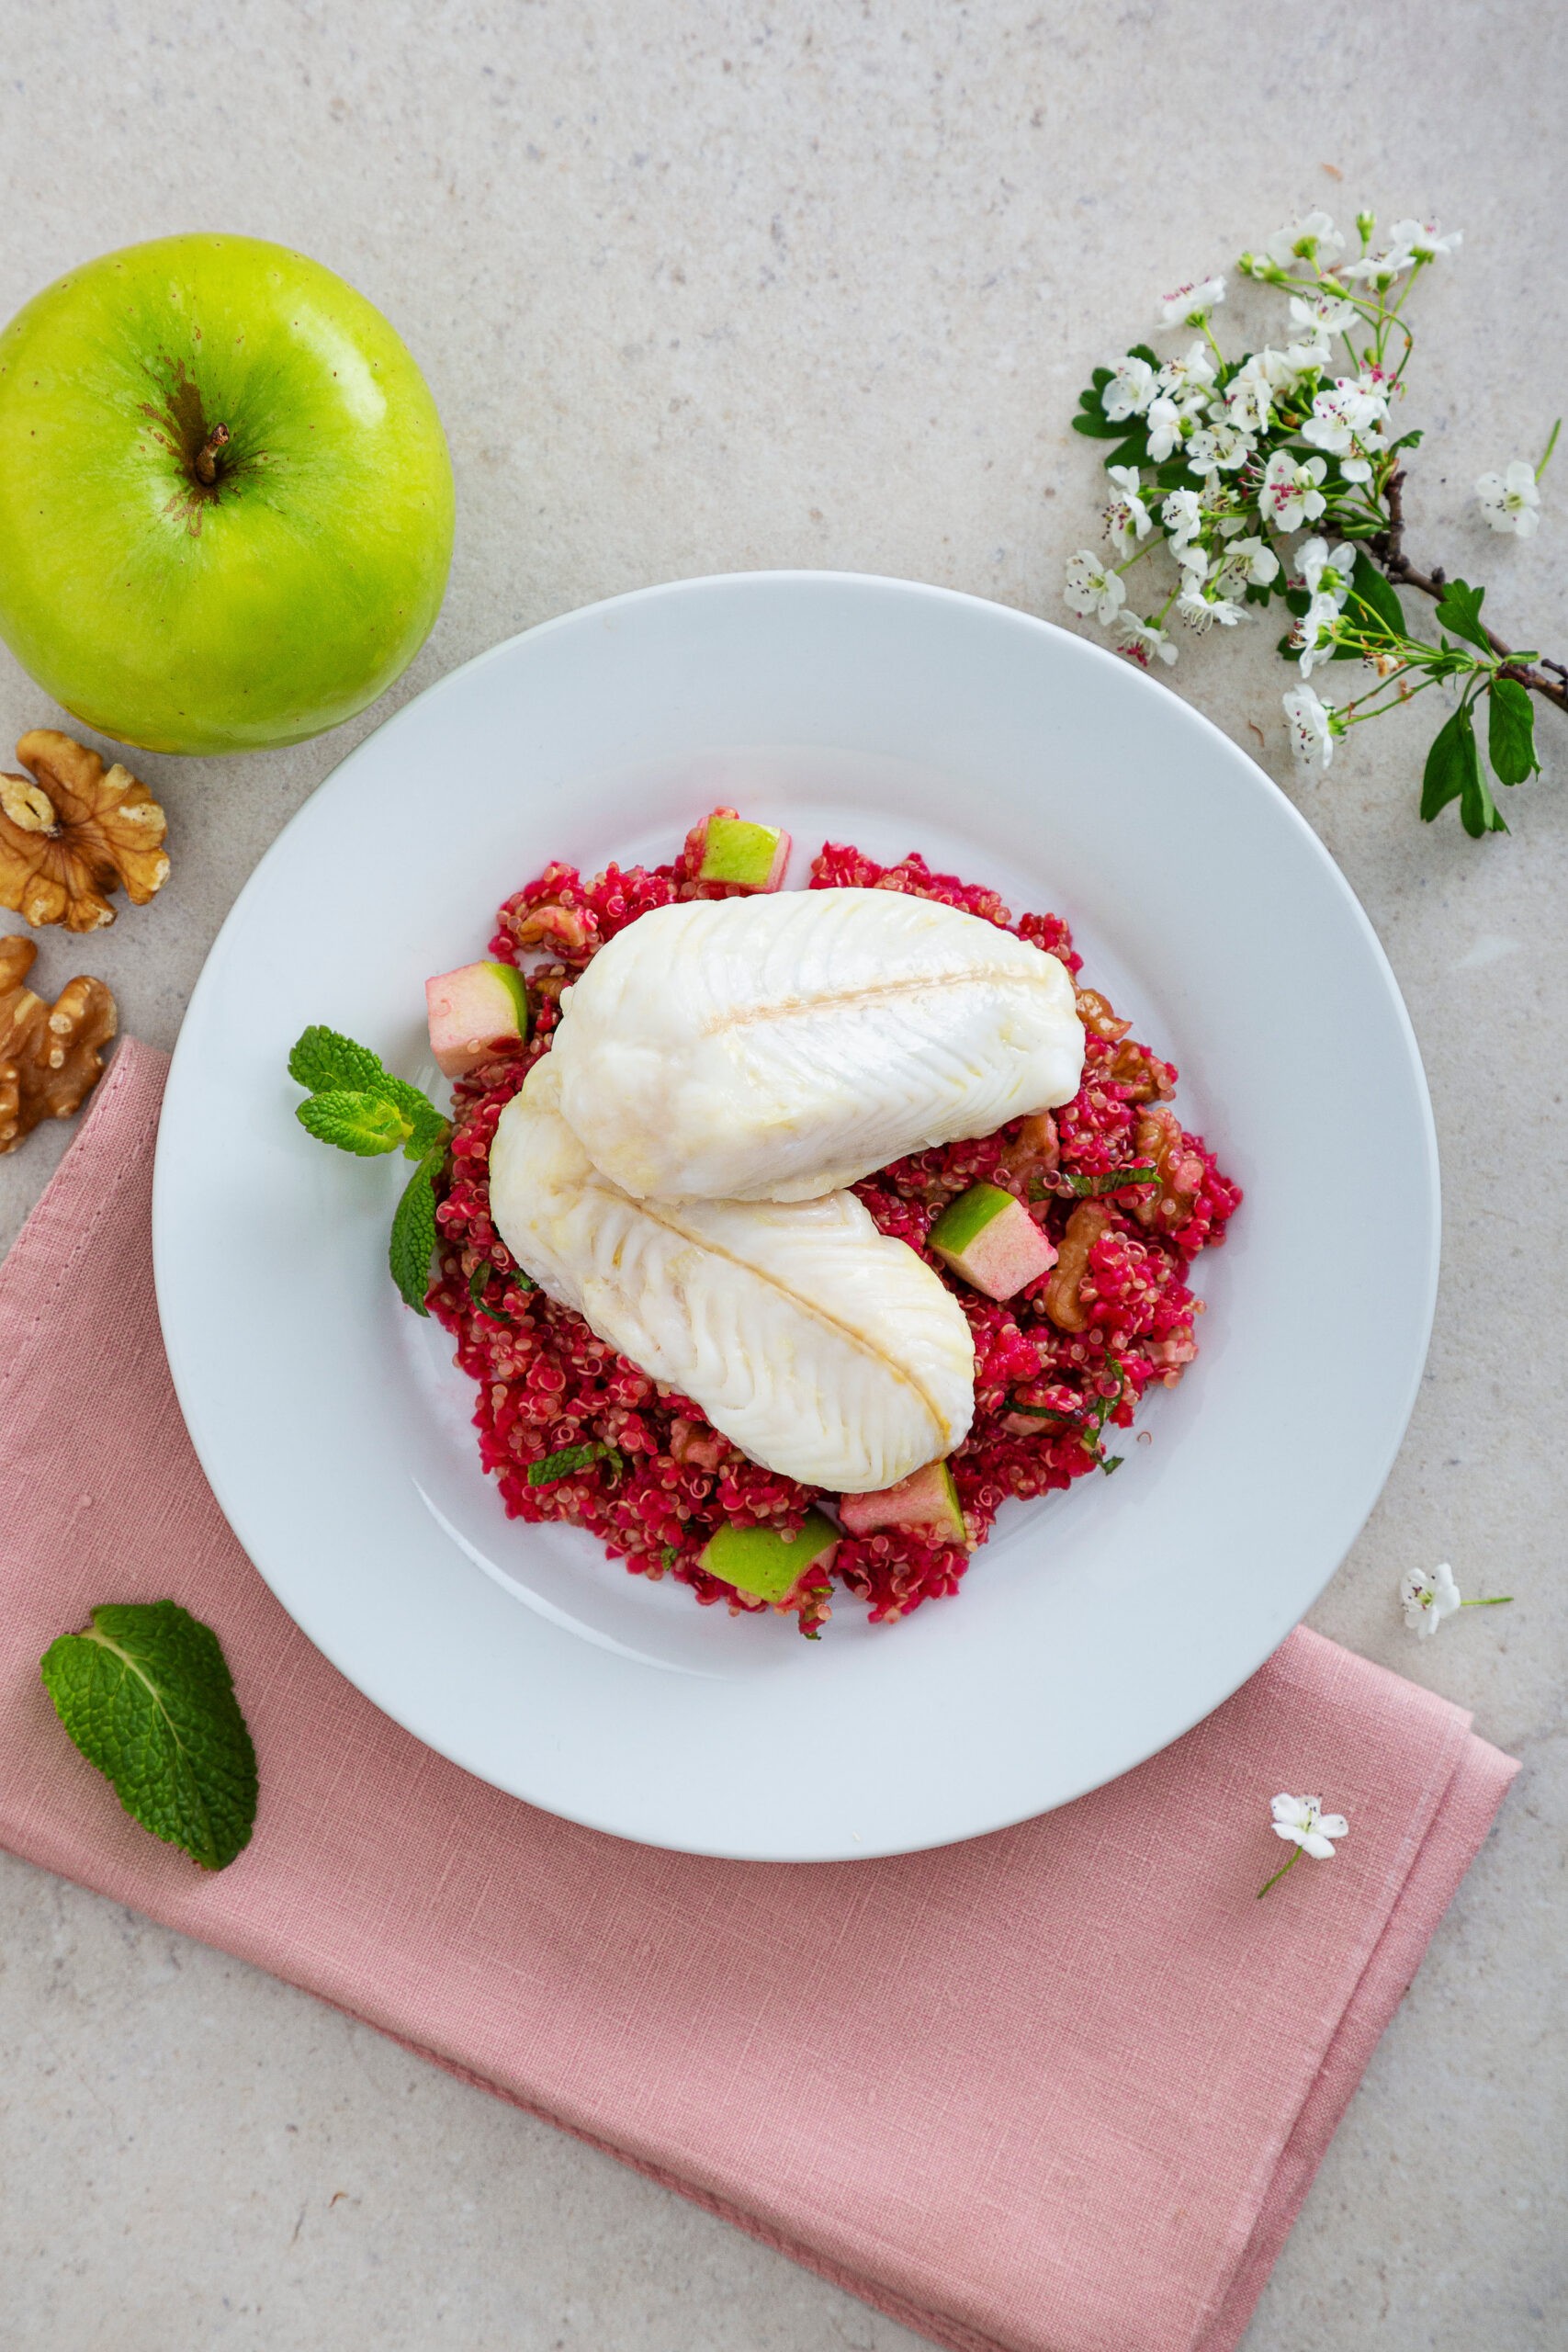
(71,830)
(1063,1301)
(50,1057)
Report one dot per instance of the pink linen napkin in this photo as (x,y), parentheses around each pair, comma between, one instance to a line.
(1060,2089)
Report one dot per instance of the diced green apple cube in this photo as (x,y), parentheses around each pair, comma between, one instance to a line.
(926,1502)
(989,1238)
(746,857)
(761,1561)
(476,1012)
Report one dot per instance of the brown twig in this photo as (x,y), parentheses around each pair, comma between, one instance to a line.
(1389,548)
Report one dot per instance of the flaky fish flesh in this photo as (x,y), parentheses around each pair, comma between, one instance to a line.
(823,1349)
(775,1048)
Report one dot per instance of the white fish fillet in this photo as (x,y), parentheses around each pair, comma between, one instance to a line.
(772,1049)
(823,1349)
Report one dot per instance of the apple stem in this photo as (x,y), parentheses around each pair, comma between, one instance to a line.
(208,455)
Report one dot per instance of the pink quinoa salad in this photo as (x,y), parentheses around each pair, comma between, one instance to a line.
(1058,1368)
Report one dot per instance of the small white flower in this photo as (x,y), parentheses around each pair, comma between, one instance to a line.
(1290,496)
(1315,239)
(1092,590)
(1421,241)
(1205,294)
(1127,519)
(1219,444)
(1144,640)
(1427,1600)
(1315,634)
(1325,571)
(1302,1821)
(1246,563)
(1248,399)
(1311,728)
(1201,605)
(1190,379)
(1192,557)
(1182,515)
(1163,422)
(1510,502)
(1323,314)
(1130,391)
(1345,418)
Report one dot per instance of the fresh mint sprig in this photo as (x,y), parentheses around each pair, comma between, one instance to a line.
(355,1105)
(568,1458)
(145,1691)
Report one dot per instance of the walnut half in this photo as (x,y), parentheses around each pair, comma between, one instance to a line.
(50,1055)
(71,830)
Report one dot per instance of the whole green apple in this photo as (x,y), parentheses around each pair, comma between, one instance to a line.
(225,496)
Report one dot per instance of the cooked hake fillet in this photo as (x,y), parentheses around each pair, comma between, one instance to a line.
(821,1348)
(773,1049)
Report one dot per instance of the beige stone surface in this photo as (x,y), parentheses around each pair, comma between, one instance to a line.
(699,286)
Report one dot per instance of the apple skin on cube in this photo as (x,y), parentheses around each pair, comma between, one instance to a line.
(476,1012)
(925,1502)
(743,856)
(989,1238)
(759,1560)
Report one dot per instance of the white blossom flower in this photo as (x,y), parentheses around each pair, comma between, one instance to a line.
(1421,241)
(1191,557)
(1325,572)
(1144,640)
(1130,391)
(1323,314)
(1182,515)
(1219,444)
(1163,422)
(1246,563)
(1201,605)
(1315,239)
(1248,399)
(1345,419)
(1302,1821)
(1290,496)
(1316,635)
(1427,1600)
(1190,379)
(1311,728)
(1510,502)
(1091,589)
(1127,519)
(1205,294)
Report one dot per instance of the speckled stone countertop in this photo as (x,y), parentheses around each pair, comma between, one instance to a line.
(701,287)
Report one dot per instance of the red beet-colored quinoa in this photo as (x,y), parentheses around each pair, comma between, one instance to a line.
(1056,1367)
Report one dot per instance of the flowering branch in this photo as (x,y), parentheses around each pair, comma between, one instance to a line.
(1279,446)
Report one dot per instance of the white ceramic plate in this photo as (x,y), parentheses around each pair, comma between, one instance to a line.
(1095,1626)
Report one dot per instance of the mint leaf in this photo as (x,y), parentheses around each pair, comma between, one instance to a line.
(1459,609)
(1115,1180)
(361,1123)
(326,1063)
(413,1244)
(146,1693)
(1510,731)
(330,1064)
(570,1458)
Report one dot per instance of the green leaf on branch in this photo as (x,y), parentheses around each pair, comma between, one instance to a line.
(1379,611)
(1510,731)
(1453,773)
(363,1124)
(145,1691)
(1459,610)
(413,1244)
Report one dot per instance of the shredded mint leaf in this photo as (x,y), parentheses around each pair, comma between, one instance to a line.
(413,1244)
(570,1458)
(363,1124)
(1115,1180)
(1510,732)
(145,1691)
